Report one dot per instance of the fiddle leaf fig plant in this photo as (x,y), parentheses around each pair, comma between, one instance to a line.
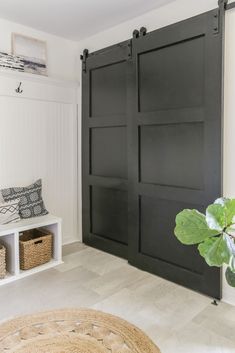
(214,233)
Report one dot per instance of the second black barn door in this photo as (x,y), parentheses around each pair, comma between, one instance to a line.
(105,198)
(175,144)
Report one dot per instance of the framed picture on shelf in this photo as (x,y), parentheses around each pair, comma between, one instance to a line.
(33,53)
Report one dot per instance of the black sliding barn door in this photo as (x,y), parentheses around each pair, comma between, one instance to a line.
(105,198)
(176,145)
(152,146)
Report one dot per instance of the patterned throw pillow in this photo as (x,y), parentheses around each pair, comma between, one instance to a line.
(9,211)
(31,203)
(1,198)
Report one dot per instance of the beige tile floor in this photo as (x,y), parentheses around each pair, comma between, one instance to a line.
(177,319)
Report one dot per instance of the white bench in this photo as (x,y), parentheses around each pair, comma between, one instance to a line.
(9,237)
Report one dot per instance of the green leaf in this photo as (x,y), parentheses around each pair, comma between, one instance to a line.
(230,244)
(231,230)
(204,247)
(218,253)
(221,201)
(216,217)
(232,264)
(229,207)
(230,277)
(191,227)
(229,211)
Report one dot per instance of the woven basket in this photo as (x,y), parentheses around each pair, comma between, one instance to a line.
(35,248)
(2,262)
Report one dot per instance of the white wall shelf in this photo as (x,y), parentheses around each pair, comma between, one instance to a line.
(38,78)
(9,237)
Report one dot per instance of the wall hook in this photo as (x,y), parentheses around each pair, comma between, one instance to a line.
(19,90)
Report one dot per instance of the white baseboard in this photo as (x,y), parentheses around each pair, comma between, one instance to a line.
(72,240)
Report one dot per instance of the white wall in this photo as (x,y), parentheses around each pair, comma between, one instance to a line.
(163,16)
(171,13)
(229,124)
(62,54)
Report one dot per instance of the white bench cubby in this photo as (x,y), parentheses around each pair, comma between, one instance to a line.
(9,237)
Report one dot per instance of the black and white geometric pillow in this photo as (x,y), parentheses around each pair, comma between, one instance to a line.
(31,203)
(1,198)
(9,212)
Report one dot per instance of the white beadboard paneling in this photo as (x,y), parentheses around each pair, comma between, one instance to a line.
(38,139)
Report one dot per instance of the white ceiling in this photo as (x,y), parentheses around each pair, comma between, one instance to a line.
(74,19)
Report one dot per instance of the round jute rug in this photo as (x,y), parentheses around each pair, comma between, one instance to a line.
(73,331)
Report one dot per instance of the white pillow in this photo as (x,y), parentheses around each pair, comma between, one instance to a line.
(1,198)
(9,211)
